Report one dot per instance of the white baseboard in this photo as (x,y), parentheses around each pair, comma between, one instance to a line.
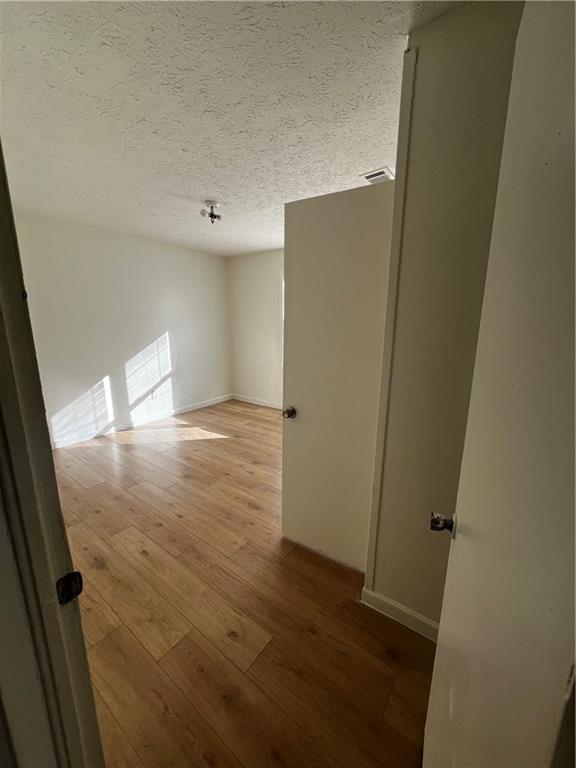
(256,401)
(401,613)
(75,439)
(198,405)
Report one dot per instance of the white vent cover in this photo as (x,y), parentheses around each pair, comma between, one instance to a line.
(382,174)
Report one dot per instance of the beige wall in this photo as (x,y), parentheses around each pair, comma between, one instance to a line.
(105,308)
(458,114)
(506,644)
(255,322)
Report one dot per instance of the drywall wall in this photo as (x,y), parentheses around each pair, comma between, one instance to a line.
(505,656)
(459,104)
(255,288)
(336,259)
(126,330)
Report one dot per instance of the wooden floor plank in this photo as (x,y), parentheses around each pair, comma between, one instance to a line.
(79,471)
(162,726)
(73,496)
(118,751)
(175,536)
(116,472)
(98,619)
(135,510)
(409,653)
(239,473)
(175,502)
(122,455)
(87,506)
(401,649)
(179,469)
(212,640)
(342,728)
(259,732)
(238,636)
(279,574)
(313,635)
(258,499)
(406,709)
(244,525)
(154,621)
(275,550)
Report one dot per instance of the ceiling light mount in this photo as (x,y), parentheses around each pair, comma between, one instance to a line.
(210,211)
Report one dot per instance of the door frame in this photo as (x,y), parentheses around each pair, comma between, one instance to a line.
(36,539)
(402,160)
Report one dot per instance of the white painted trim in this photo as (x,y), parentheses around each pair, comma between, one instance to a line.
(198,405)
(256,401)
(39,548)
(74,440)
(402,160)
(401,613)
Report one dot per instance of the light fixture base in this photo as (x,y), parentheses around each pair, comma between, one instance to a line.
(210,211)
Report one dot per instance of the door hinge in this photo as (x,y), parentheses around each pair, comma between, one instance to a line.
(69,587)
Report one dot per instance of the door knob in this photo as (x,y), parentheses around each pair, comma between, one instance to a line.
(441,523)
(289,412)
(69,587)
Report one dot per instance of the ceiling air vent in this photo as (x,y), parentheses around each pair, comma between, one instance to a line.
(382,174)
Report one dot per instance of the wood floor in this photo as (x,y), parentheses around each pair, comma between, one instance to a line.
(212,641)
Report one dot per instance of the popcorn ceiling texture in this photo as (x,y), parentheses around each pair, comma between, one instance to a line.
(127,115)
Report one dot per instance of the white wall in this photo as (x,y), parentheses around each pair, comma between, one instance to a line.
(255,318)
(455,142)
(126,330)
(506,643)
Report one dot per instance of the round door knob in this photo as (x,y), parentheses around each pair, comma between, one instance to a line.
(441,523)
(289,412)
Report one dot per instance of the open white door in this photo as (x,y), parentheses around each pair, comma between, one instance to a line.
(336,257)
(47,710)
(506,642)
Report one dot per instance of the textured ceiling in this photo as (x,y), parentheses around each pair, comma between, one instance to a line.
(128,115)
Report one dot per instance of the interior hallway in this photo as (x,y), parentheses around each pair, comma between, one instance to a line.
(212,641)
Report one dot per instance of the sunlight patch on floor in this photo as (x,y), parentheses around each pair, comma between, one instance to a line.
(164,435)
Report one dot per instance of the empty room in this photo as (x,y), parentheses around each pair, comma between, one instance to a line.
(287,386)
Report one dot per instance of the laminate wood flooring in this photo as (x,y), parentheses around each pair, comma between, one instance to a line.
(213,641)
